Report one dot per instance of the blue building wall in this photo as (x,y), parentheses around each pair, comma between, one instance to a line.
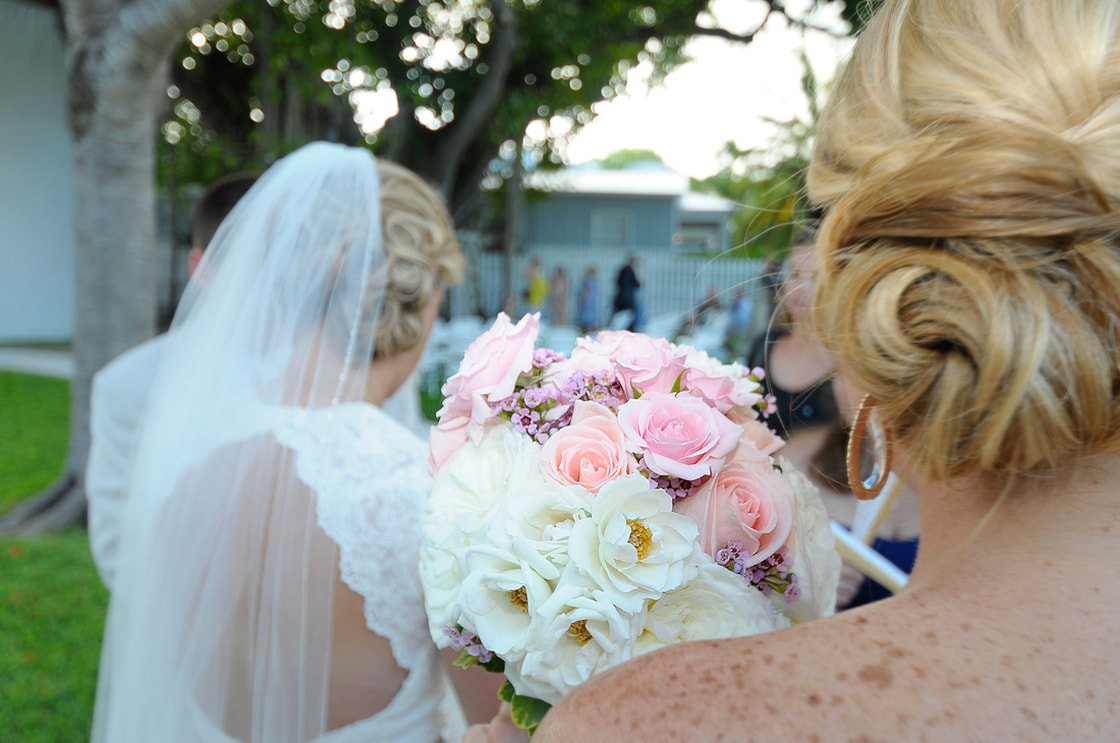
(36,178)
(566,219)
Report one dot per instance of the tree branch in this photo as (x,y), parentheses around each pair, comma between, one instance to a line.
(161,23)
(777,7)
(721,33)
(481,107)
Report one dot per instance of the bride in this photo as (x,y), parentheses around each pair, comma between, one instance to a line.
(267,587)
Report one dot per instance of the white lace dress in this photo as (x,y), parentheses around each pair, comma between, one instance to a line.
(370,476)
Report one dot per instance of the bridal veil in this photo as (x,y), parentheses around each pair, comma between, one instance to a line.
(220,625)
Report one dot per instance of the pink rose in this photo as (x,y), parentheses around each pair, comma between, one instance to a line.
(751,503)
(649,365)
(492,364)
(594,355)
(444,440)
(590,452)
(678,435)
(725,386)
(606,343)
(757,442)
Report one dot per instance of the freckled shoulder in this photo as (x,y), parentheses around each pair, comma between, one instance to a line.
(903,669)
(793,682)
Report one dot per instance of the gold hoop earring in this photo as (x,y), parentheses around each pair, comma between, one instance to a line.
(868,488)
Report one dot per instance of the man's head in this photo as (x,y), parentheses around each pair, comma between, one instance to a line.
(213,205)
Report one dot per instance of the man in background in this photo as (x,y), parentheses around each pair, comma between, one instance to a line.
(121,389)
(626,297)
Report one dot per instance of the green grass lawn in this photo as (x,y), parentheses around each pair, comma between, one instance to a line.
(52,604)
(53,611)
(34,428)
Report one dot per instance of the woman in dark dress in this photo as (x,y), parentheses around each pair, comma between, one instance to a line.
(801,375)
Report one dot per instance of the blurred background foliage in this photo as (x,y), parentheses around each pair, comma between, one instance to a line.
(468,79)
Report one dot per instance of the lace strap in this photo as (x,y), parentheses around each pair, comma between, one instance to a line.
(370,477)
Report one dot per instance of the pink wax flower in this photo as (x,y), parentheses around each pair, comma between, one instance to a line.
(678,435)
(590,452)
(492,363)
(751,503)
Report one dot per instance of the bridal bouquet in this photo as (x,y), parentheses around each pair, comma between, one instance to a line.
(589,509)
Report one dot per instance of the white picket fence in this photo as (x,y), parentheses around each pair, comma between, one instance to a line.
(671,283)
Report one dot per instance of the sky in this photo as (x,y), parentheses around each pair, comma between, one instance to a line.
(725,94)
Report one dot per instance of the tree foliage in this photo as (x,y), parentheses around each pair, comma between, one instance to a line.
(768,183)
(622,159)
(470,78)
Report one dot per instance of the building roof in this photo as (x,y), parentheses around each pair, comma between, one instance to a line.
(694,201)
(641,181)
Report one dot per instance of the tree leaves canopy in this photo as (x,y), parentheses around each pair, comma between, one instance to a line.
(469,76)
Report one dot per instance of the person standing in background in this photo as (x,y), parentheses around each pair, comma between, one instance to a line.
(558,291)
(537,290)
(626,293)
(588,311)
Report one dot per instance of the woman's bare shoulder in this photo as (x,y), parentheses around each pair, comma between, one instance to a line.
(898,670)
(773,686)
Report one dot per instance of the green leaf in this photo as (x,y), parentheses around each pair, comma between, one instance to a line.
(527,712)
(466,660)
(506,693)
(677,384)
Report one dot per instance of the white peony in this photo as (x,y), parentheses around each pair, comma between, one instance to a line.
(580,632)
(717,603)
(633,545)
(813,551)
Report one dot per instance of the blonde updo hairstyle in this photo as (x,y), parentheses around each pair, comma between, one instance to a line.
(969,162)
(422,255)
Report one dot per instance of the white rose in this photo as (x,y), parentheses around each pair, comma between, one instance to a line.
(717,603)
(544,510)
(813,550)
(468,506)
(633,545)
(580,632)
(502,591)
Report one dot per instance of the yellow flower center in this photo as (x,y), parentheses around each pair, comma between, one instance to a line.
(519,599)
(641,537)
(578,630)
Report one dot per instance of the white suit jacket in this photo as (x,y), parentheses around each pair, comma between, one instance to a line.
(116,405)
